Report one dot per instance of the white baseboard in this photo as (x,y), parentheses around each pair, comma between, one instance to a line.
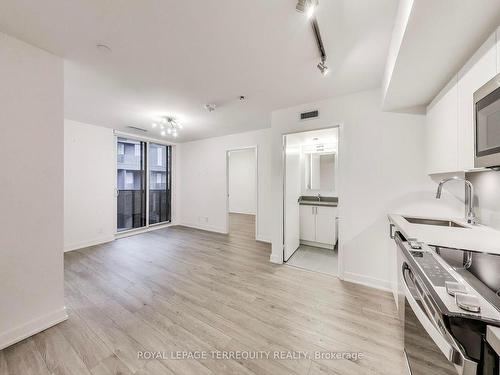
(242,212)
(276,259)
(208,228)
(263,239)
(32,327)
(371,282)
(83,244)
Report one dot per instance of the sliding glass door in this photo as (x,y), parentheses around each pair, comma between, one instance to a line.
(131,184)
(143,184)
(159,183)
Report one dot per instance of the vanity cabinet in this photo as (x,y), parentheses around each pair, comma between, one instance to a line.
(308,223)
(449,122)
(318,225)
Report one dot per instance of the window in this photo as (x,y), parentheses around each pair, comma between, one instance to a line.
(159,156)
(129,178)
(135,191)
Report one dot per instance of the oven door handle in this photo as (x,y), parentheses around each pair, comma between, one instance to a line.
(463,365)
(430,327)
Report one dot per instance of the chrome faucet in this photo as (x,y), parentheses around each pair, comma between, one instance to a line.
(470,216)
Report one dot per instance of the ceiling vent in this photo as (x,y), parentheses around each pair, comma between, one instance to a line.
(309,115)
(138,129)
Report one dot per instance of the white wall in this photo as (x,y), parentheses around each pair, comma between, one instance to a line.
(31,182)
(90,182)
(242,188)
(202,172)
(381,166)
(89,185)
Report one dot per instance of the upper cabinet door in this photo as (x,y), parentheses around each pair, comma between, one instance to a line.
(479,69)
(441,131)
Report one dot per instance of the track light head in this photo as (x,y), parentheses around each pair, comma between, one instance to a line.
(301,6)
(307,6)
(323,68)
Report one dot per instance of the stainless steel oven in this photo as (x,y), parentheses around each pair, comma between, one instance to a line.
(438,338)
(487,125)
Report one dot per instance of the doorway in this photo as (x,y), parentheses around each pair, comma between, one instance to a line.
(242,192)
(311,200)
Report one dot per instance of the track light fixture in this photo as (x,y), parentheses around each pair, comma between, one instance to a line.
(307,6)
(323,68)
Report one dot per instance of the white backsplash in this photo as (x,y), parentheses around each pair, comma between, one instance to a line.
(486,196)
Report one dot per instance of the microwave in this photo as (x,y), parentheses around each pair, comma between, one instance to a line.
(487,125)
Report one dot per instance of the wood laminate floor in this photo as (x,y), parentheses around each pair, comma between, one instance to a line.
(184,290)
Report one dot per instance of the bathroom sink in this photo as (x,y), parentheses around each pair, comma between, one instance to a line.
(315,200)
(437,222)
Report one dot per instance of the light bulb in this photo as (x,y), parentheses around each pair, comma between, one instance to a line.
(310,10)
(175,134)
(154,124)
(169,131)
(163,133)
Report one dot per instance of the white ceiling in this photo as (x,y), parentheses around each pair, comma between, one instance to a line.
(439,37)
(172,57)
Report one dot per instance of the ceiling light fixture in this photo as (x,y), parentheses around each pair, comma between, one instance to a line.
(210,107)
(168,125)
(323,68)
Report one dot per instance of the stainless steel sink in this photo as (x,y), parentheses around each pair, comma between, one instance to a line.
(437,222)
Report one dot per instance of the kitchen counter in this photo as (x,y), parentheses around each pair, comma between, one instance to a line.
(471,237)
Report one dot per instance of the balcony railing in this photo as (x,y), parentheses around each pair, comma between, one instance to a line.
(131,208)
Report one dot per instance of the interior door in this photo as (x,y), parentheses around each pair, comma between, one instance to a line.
(292,193)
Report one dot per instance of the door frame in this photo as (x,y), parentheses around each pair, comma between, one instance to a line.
(256,161)
(339,189)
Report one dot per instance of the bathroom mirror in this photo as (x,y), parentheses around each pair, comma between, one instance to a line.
(320,171)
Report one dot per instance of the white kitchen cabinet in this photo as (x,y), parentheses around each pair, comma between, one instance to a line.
(441,128)
(307,223)
(325,225)
(318,224)
(480,68)
(449,122)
